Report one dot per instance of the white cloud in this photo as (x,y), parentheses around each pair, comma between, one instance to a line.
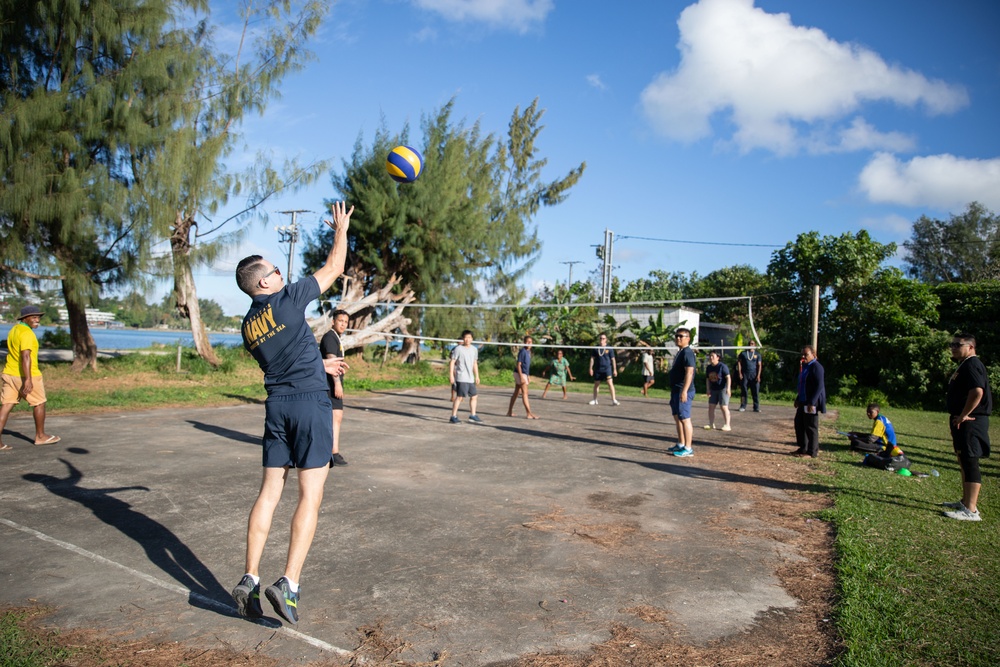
(893,223)
(595,81)
(786,88)
(519,15)
(941,181)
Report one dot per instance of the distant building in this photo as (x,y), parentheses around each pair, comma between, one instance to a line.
(672,316)
(94,316)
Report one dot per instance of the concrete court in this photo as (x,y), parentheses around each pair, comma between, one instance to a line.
(483,542)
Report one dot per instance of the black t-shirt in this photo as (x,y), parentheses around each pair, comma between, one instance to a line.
(683,360)
(275,332)
(602,359)
(330,344)
(969,375)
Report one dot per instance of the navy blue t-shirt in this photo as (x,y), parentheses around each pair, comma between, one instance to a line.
(717,375)
(602,359)
(683,360)
(276,334)
(524,358)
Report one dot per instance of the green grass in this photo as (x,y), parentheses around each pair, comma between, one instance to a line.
(19,648)
(914,588)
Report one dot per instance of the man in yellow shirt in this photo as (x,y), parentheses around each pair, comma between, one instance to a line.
(21,377)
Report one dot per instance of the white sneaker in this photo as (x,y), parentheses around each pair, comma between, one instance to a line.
(615,402)
(954,506)
(709,427)
(964,514)
(727,427)
(593,402)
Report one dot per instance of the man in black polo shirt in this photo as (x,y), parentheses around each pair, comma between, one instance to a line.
(970,403)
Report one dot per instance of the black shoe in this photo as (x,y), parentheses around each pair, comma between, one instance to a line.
(247,596)
(756,409)
(284,601)
(339,460)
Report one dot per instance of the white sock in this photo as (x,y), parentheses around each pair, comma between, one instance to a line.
(292,585)
(256,579)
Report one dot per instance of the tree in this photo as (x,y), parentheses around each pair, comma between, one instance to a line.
(659,286)
(463,227)
(732,281)
(85,89)
(186,182)
(868,314)
(963,249)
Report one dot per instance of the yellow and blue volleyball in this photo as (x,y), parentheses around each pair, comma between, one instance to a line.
(404,164)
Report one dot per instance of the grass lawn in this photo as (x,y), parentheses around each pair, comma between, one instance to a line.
(914,588)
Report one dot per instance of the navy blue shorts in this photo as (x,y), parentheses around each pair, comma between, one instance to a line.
(601,376)
(298,430)
(678,409)
(464,389)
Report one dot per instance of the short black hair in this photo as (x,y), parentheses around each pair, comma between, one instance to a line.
(465,333)
(337,313)
(249,272)
(874,406)
(966,338)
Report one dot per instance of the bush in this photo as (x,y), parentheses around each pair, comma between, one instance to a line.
(56,340)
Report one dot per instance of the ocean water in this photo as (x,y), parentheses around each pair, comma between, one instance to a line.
(131,339)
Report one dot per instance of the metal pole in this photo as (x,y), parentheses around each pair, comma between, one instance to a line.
(607,255)
(815,322)
(570,283)
(290,234)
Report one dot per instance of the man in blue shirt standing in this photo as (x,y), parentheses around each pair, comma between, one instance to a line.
(682,392)
(298,422)
(809,403)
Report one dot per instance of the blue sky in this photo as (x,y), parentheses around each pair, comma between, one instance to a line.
(717,120)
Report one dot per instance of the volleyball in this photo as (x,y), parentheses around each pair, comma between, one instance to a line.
(404,164)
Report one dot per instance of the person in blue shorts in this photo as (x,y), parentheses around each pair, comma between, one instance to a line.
(522,376)
(681,378)
(298,414)
(603,368)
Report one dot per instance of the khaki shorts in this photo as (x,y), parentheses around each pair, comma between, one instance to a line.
(12,386)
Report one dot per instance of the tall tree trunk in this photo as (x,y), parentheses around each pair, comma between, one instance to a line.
(185,292)
(84,348)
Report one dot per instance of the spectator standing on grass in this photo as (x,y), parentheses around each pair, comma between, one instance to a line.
(332,347)
(970,403)
(21,378)
(718,386)
(810,401)
(298,414)
(522,377)
(463,373)
(682,392)
(647,372)
(603,368)
(748,369)
(560,369)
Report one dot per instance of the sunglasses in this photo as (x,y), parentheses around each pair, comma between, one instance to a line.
(274,270)
(955,346)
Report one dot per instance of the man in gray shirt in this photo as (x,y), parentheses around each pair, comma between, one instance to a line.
(463,373)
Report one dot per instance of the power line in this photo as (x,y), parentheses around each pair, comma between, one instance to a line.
(744,245)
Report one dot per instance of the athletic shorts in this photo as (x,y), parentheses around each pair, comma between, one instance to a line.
(678,409)
(464,389)
(298,431)
(718,397)
(12,385)
(600,376)
(337,403)
(972,440)
(647,379)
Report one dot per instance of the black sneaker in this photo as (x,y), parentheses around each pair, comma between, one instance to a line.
(339,460)
(247,596)
(284,601)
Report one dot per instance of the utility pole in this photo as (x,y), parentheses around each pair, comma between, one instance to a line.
(570,282)
(609,242)
(290,234)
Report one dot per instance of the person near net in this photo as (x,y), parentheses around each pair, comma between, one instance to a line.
(603,368)
(298,414)
(749,365)
(810,401)
(560,370)
(332,347)
(463,372)
(522,377)
(681,376)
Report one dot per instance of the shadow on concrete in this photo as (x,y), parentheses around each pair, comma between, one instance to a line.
(246,399)
(694,472)
(228,433)
(162,547)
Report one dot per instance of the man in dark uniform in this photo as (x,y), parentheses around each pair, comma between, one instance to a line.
(970,403)
(748,367)
(809,403)
(332,347)
(298,415)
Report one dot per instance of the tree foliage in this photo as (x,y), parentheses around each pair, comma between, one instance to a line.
(963,249)
(86,88)
(973,308)
(463,229)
